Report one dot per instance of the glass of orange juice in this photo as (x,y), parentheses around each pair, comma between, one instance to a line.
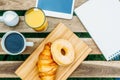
(36,19)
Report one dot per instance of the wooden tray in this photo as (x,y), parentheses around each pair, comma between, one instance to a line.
(28,70)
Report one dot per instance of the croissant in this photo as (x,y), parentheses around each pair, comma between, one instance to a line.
(46,65)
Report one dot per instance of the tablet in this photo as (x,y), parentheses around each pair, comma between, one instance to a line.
(57,8)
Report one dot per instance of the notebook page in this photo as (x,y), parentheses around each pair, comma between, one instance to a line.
(102,20)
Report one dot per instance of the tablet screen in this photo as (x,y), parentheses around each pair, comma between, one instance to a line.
(62,6)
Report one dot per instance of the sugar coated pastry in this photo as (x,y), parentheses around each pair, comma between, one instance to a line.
(62,52)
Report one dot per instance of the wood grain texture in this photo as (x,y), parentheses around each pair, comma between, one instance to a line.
(98,69)
(79,2)
(25,4)
(60,32)
(86,69)
(37,41)
(74,24)
(16,4)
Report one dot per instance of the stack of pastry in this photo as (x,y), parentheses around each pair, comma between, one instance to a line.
(60,52)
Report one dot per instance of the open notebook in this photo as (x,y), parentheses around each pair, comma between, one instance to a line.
(102,20)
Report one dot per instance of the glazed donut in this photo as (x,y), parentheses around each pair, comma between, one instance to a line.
(62,52)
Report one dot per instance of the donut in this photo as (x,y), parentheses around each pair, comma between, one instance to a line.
(62,52)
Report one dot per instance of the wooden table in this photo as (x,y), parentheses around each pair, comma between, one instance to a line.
(91,67)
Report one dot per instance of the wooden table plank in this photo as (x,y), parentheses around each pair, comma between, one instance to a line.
(25,4)
(86,69)
(37,41)
(79,2)
(74,24)
(16,4)
(98,69)
(92,45)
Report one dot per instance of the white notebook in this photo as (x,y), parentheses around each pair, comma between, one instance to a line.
(102,20)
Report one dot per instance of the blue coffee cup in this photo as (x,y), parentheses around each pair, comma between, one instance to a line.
(14,43)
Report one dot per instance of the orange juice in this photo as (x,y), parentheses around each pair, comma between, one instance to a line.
(35,18)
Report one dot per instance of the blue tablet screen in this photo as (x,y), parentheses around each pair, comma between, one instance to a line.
(63,6)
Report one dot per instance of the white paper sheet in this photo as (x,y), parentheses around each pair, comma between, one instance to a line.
(102,20)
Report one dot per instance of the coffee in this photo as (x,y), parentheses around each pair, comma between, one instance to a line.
(14,43)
